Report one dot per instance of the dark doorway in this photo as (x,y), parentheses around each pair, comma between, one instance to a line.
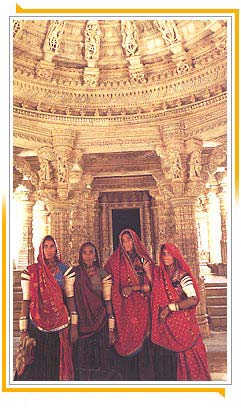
(125,218)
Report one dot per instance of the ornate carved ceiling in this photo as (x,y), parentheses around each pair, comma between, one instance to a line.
(117,67)
(118,97)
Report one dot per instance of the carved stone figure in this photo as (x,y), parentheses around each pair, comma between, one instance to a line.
(195,165)
(176,165)
(92,41)
(62,171)
(129,37)
(17,27)
(44,172)
(168,30)
(55,32)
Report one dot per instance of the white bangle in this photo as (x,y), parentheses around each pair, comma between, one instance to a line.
(23,324)
(173,307)
(111,323)
(74,318)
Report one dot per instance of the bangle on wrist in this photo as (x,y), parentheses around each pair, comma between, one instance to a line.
(23,323)
(111,330)
(74,318)
(174,307)
(111,323)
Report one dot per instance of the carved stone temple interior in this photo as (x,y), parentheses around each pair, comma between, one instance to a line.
(122,122)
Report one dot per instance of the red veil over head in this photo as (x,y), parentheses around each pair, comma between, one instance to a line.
(89,304)
(180,330)
(47,308)
(132,314)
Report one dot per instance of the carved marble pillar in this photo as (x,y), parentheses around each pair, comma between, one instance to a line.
(147,223)
(78,218)
(93,218)
(105,234)
(90,200)
(214,226)
(59,226)
(186,231)
(26,250)
(187,241)
(41,226)
(223,213)
(202,226)
(156,223)
(63,144)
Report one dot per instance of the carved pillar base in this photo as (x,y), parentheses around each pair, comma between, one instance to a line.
(201,314)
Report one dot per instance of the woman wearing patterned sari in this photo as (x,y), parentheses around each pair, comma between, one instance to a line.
(175,331)
(44,318)
(130,267)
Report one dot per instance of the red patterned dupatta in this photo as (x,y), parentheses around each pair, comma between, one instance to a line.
(132,314)
(180,330)
(47,309)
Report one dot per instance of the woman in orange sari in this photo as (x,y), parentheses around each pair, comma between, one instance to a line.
(175,329)
(44,317)
(130,267)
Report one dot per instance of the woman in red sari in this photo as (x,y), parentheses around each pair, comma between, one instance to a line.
(130,267)
(174,327)
(93,357)
(44,317)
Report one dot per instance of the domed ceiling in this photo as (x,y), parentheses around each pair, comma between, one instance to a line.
(117,67)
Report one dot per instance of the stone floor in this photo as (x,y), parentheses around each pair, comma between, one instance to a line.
(216,346)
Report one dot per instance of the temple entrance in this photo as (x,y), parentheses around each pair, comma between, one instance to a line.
(125,218)
(125,209)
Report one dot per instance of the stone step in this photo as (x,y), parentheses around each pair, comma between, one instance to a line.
(18,295)
(216,290)
(17,306)
(216,300)
(16,278)
(215,284)
(217,323)
(217,310)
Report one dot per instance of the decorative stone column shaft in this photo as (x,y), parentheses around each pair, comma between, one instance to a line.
(156,223)
(214,227)
(223,213)
(26,250)
(187,241)
(147,223)
(60,222)
(105,233)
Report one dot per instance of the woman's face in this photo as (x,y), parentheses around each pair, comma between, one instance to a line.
(166,257)
(49,249)
(127,242)
(88,255)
